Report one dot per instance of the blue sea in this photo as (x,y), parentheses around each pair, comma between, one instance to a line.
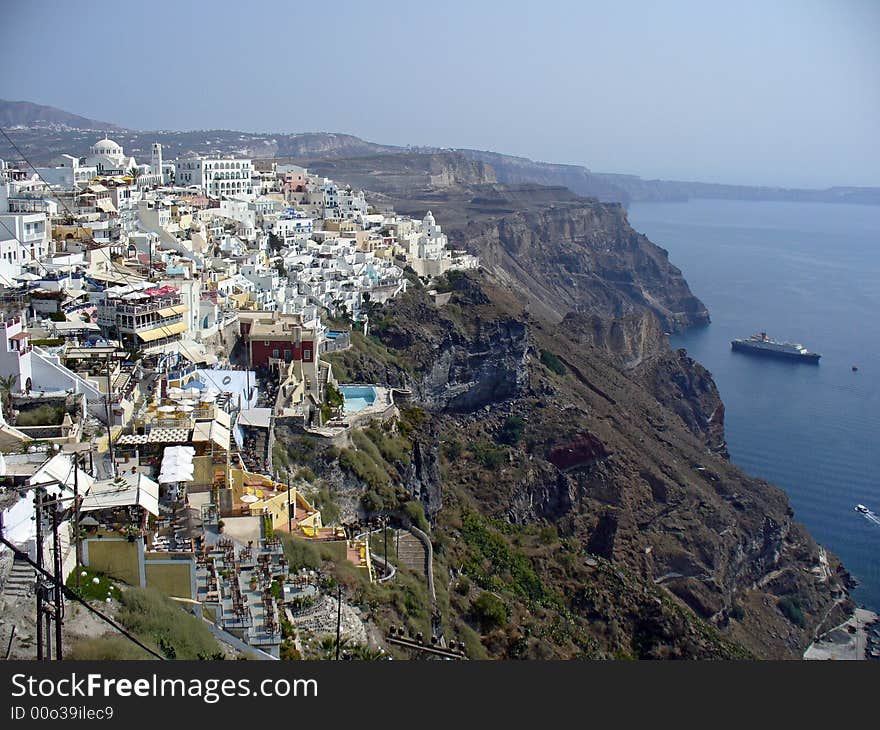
(807,273)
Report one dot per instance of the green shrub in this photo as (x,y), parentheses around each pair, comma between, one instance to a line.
(364,468)
(791,609)
(305,474)
(552,362)
(325,503)
(737,612)
(452,449)
(488,455)
(91,591)
(106,648)
(394,449)
(512,431)
(300,553)
(333,396)
(157,620)
(416,514)
(490,611)
(495,565)
(372,502)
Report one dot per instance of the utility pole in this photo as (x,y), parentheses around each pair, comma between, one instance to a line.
(59,599)
(385,536)
(109,419)
(289,516)
(77,546)
(338,618)
(38,503)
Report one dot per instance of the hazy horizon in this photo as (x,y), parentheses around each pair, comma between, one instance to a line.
(786,95)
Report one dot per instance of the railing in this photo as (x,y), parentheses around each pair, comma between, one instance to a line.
(151,306)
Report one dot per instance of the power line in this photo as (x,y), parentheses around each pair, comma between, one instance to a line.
(72,595)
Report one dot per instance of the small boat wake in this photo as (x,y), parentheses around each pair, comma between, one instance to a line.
(868,514)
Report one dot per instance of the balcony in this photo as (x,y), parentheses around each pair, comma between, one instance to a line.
(153,305)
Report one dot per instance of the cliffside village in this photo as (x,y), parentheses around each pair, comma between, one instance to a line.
(159,320)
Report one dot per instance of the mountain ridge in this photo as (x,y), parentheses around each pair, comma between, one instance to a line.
(511,169)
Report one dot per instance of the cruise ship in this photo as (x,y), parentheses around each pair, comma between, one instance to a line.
(760,344)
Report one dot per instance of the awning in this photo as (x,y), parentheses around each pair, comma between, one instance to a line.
(125,490)
(162,331)
(169,311)
(106,205)
(211,431)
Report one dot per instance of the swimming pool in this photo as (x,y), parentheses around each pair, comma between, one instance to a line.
(357,397)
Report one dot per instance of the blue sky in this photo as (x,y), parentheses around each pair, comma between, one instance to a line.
(780,93)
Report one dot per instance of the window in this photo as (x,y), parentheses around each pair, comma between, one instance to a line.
(275,353)
(307,355)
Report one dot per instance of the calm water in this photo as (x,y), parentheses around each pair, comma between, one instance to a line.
(811,274)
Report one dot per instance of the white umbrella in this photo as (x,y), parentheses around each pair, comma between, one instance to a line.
(185,409)
(166,409)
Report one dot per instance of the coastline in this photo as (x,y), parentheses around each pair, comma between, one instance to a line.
(849,640)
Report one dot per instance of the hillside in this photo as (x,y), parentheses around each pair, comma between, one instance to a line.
(563,252)
(573,467)
(28,114)
(577,474)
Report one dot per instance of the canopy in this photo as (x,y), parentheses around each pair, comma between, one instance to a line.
(211,431)
(162,331)
(126,490)
(177,464)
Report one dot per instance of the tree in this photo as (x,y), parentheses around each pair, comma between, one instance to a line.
(133,173)
(7,386)
(275,242)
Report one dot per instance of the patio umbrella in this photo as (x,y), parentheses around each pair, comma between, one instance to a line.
(166,409)
(185,409)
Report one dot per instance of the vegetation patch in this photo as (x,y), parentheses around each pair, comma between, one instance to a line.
(550,361)
(495,565)
(792,610)
(94,586)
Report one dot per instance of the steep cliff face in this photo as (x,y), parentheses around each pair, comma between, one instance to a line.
(638,346)
(614,442)
(394,173)
(585,258)
(518,170)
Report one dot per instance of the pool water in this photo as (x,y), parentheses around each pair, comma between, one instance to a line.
(357,397)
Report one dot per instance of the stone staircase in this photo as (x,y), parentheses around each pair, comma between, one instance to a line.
(20,582)
(410,551)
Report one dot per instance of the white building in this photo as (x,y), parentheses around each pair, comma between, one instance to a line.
(216,176)
(109,158)
(68,173)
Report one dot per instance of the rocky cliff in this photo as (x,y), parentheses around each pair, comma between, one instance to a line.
(563,252)
(585,257)
(586,449)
